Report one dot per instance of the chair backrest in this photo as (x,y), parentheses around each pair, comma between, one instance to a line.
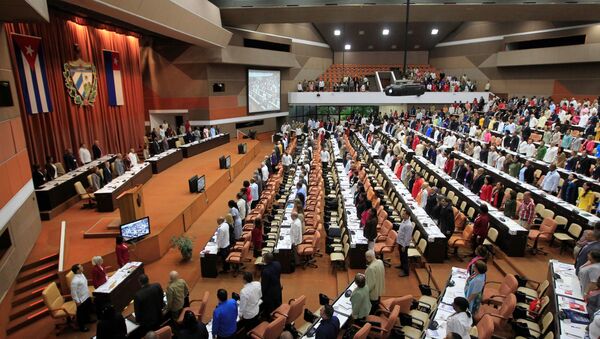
(547,321)
(363,332)
(69,278)
(79,188)
(470,212)
(52,297)
(468,232)
(391,238)
(391,321)
(403,302)
(508,306)
(548,226)
(416,236)
(485,327)
(422,246)
(574,230)
(550,335)
(275,328)
(202,307)
(164,332)
(60,170)
(543,288)
(509,285)
(296,308)
(492,234)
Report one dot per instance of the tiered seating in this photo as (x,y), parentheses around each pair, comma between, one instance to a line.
(336,72)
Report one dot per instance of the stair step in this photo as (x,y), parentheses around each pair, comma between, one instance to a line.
(31,284)
(26,320)
(26,308)
(26,296)
(37,271)
(40,262)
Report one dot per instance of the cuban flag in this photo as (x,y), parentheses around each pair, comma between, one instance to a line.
(32,73)
(112,67)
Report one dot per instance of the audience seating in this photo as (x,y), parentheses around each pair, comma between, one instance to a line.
(508,286)
(381,326)
(84,195)
(545,232)
(201,308)
(363,332)
(63,312)
(387,305)
(268,330)
(500,316)
(538,292)
(537,329)
(386,247)
(60,169)
(572,234)
(291,311)
(461,240)
(484,328)
(164,332)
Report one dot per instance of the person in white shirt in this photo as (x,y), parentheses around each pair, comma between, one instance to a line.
(84,154)
(133,158)
(264,170)
(81,296)
(523,147)
(461,321)
(451,140)
(254,192)
(223,242)
(529,148)
(440,160)
(296,234)
(551,154)
(324,158)
(377,145)
(403,239)
(492,156)
(250,300)
(550,182)
(286,161)
(533,121)
(477,152)
(500,161)
(241,205)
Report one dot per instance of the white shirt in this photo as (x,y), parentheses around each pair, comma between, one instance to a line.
(533,121)
(583,120)
(241,205)
(223,235)
(550,182)
(296,232)
(79,288)
(286,160)
(492,158)
(550,155)
(529,150)
(500,163)
(254,191)
(133,158)
(440,161)
(265,172)
(477,152)
(250,299)
(84,155)
(594,327)
(424,196)
(325,156)
(522,147)
(459,323)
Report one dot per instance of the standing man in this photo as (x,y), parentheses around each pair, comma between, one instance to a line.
(148,304)
(223,242)
(133,158)
(405,231)
(361,304)
(96,150)
(324,158)
(526,211)
(375,274)
(177,293)
(296,234)
(446,219)
(70,160)
(250,296)
(255,194)
(224,323)
(550,182)
(241,204)
(271,284)
(84,154)
(286,161)
(81,296)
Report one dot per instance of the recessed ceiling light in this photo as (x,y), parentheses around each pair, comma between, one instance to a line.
(434,31)
(385,31)
(337,32)
(361,32)
(370,47)
(393,46)
(410,32)
(347,47)
(417,46)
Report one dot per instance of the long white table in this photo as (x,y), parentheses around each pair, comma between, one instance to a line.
(342,309)
(458,276)
(565,293)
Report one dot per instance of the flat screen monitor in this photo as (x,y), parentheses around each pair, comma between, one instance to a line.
(201,184)
(193,184)
(135,230)
(264,90)
(228,161)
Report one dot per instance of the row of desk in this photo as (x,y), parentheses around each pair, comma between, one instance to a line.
(342,309)
(164,160)
(55,192)
(106,197)
(203,145)
(512,237)
(455,287)
(560,207)
(565,294)
(438,243)
(357,241)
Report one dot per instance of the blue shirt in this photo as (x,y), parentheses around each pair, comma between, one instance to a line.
(224,323)
(328,328)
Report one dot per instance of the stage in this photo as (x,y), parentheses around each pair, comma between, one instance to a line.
(170,206)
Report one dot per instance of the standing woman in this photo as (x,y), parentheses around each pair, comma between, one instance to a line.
(486,190)
(461,321)
(586,197)
(122,251)
(474,286)
(370,230)
(99,276)
(480,226)
(257,237)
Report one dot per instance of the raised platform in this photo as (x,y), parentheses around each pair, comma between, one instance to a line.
(379,98)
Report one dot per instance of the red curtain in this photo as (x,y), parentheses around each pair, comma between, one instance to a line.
(118,128)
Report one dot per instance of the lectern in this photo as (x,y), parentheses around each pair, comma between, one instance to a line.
(131,204)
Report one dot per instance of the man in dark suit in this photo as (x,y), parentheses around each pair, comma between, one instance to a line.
(148,304)
(70,160)
(38,176)
(271,284)
(106,173)
(96,151)
(51,170)
(154,147)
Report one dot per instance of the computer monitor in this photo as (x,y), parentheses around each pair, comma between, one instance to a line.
(193,184)
(242,148)
(135,230)
(228,161)
(201,184)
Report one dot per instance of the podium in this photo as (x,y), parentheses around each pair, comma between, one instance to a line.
(131,204)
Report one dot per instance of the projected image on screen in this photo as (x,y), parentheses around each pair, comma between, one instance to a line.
(263,91)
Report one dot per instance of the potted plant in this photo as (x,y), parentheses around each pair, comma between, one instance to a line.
(185,246)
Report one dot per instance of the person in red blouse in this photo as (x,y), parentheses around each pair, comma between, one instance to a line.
(416,189)
(481,226)
(122,252)
(99,276)
(449,165)
(497,195)
(486,190)
(257,237)
(415,142)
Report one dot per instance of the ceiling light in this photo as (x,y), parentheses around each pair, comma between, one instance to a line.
(361,32)
(393,46)
(347,47)
(370,46)
(417,46)
(385,31)
(434,31)
(337,32)
(410,32)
